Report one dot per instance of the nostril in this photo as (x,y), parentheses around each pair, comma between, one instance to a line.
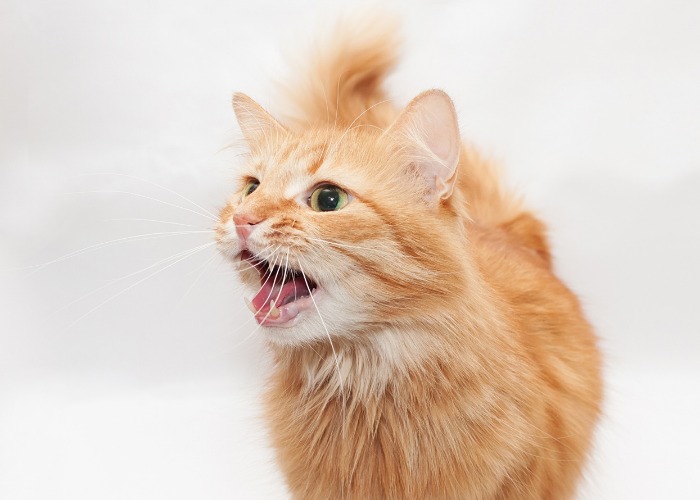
(244,223)
(245,219)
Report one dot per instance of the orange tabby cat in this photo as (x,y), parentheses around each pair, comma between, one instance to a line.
(423,346)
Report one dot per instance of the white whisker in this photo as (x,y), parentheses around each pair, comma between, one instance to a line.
(284,279)
(274,282)
(121,278)
(366,249)
(192,252)
(128,176)
(350,127)
(269,275)
(138,195)
(335,354)
(134,219)
(137,237)
(199,276)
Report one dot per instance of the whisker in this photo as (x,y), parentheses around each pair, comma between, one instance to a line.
(367,249)
(335,354)
(134,219)
(138,195)
(269,275)
(121,278)
(376,252)
(368,125)
(337,143)
(343,245)
(128,176)
(274,281)
(259,324)
(328,121)
(284,279)
(199,276)
(192,252)
(270,254)
(137,237)
(238,268)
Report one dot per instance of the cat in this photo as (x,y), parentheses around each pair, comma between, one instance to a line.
(423,347)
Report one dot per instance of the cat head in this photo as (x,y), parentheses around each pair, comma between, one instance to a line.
(338,231)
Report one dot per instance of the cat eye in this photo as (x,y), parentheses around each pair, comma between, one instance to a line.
(250,186)
(328,198)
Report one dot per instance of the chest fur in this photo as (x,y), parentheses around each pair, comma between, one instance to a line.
(409,441)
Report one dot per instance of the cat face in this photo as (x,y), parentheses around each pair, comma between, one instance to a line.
(335,232)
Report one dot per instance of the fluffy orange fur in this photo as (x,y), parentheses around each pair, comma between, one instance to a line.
(442,357)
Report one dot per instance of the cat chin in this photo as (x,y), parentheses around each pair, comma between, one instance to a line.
(303,330)
(290,323)
(324,319)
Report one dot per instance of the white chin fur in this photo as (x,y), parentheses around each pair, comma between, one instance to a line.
(328,316)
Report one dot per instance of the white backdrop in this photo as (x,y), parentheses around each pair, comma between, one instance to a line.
(124,378)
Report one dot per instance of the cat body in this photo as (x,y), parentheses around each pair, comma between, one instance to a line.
(423,347)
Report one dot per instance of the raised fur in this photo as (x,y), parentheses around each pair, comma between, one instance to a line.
(442,358)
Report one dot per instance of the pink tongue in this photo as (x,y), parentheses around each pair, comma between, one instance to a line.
(268,292)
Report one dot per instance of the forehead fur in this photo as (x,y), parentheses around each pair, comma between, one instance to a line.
(361,160)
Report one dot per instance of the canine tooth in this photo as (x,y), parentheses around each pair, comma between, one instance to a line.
(274,312)
(249,305)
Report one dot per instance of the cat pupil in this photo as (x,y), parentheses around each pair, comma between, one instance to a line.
(252,186)
(328,199)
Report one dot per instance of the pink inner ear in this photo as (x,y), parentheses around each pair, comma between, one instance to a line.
(440,128)
(431,122)
(255,123)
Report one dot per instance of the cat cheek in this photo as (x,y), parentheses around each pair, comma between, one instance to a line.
(228,241)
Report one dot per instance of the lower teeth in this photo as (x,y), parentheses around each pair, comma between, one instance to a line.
(274,312)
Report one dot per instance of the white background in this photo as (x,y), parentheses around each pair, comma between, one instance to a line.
(149,387)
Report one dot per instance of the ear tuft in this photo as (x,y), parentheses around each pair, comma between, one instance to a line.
(429,124)
(256,123)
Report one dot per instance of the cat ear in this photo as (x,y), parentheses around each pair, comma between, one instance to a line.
(429,124)
(256,123)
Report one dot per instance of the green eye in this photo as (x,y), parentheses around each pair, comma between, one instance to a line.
(328,198)
(250,186)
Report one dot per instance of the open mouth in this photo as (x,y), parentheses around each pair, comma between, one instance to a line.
(284,293)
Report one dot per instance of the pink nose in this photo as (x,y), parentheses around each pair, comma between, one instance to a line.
(244,224)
